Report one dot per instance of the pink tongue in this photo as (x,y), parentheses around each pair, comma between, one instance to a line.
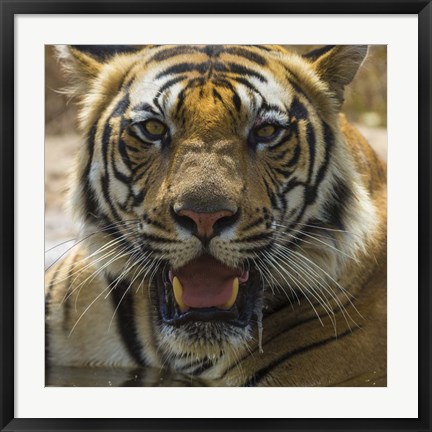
(207,282)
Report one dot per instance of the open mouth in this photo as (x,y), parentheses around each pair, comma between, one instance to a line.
(205,289)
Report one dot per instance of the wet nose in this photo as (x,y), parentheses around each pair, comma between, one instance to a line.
(205,225)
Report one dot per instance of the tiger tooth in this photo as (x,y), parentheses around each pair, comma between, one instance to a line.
(178,294)
(235,288)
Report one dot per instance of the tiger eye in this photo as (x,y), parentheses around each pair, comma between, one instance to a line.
(265,131)
(155,128)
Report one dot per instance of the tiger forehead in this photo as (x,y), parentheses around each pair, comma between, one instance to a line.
(210,60)
(253,53)
(210,78)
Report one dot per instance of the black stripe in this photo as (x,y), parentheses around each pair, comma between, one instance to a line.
(106,136)
(261,373)
(282,195)
(271,195)
(271,175)
(125,179)
(284,140)
(296,86)
(298,110)
(286,168)
(253,224)
(143,165)
(171,82)
(203,367)
(155,223)
(312,191)
(180,101)
(170,52)
(157,104)
(271,107)
(145,106)
(296,83)
(118,174)
(126,320)
(88,197)
(156,239)
(217,95)
(123,153)
(121,106)
(237,102)
(139,198)
(132,149)
(159,225)
(263,48)
(248,85)
(107,224)
(247,54)
(329,140)
(243,70)
(234,118)
(283,172)
(107,195)
(142,143)
(341,199)
(318,52)
(196,82)
(310,137)
(212,50)
(190,365)
(293,161)
(223,82)
(293,183)
(184,67)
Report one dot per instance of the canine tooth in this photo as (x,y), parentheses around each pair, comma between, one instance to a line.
(178,294)
(229,304)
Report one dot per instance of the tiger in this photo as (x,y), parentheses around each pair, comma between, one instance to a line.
(233,222)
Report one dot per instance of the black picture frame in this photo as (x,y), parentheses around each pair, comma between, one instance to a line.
(9,9)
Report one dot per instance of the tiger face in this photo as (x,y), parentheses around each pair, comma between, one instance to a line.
(204,167)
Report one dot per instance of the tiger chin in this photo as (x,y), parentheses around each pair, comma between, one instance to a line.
(233,221)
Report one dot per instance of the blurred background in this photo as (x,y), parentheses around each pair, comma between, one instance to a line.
(365,105)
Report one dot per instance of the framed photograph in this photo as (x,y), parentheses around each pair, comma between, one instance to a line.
(200,200)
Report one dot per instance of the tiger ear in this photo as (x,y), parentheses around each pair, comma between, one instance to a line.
(337,65)
(83,63)
(80,67)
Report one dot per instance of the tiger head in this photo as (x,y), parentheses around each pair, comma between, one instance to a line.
(204,169)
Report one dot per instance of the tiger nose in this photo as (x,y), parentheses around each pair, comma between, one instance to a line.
(205,225)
